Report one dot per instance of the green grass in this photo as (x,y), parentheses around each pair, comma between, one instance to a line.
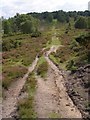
(54,41)
(54,115)
(56,61)
(42,67)
(52,36)
(41,60)
(26,106)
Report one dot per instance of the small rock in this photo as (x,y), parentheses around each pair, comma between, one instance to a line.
(67,104)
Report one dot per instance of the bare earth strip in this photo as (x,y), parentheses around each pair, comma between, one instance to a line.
(51,95)
(10,103)
(44,100)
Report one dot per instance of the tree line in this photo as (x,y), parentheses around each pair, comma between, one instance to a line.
(29,23)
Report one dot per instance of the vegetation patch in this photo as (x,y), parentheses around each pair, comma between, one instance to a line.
(26,106)
(19,51)
(54,59)
(74,52)
(42,67)
(26,35)
(54,41)
(54,115)
(12,73)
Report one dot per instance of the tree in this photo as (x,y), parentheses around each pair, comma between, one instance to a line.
(49,17)
(28,27)
(19,19)
(81,23)
(6,27)
(0,25)
(67,18)
(61,17)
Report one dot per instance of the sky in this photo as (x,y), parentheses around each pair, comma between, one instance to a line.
(9,8)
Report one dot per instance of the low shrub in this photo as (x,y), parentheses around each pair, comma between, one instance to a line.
(12,73)
(42,69)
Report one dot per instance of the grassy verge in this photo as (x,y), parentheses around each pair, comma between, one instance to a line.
(42,67)
(54,41)
(26,106)
(41,60)
(55,61)
(54,115)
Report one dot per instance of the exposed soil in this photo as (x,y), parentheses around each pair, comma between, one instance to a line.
(45,103)
(51,95)
(12,94)
(78,87)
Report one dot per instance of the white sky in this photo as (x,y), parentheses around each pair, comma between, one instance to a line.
(9,8)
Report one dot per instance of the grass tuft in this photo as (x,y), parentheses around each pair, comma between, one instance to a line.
(26,106)
(42,67)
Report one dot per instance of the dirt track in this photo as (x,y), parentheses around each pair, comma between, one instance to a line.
(10,103)
(51,96)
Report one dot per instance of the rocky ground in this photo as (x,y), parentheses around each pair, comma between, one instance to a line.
(77,85)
